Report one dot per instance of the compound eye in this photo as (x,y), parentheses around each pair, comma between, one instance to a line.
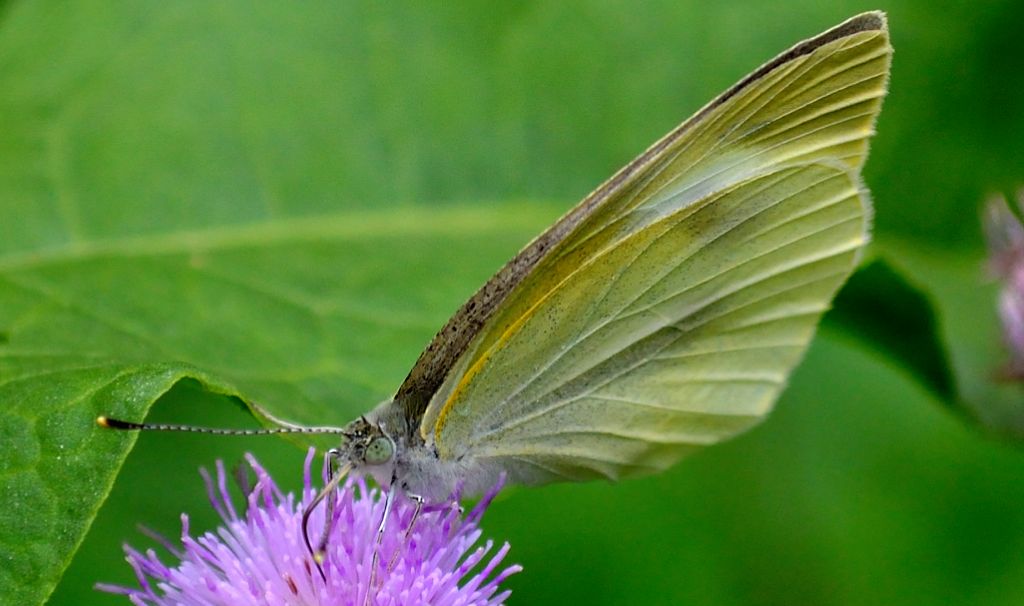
(379,451)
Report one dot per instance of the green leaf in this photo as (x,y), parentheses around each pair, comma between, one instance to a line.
(887,314)
(306,317)
(964,300)
(942,330)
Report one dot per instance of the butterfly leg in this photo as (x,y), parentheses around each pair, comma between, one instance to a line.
(389,501)
(333,455)
(408,531)
(336,475)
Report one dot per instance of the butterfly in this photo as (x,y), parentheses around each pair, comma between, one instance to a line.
(666,310)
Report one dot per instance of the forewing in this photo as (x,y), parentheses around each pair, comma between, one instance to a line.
(678,296)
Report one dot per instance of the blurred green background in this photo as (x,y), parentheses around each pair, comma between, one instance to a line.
(860,489)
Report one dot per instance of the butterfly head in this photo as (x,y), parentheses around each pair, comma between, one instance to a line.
(366,445)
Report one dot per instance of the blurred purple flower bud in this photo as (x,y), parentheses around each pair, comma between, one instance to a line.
(1005,236)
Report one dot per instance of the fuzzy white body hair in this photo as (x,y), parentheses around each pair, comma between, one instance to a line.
(420,472)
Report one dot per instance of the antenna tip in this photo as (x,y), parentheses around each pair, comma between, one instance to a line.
(108,423)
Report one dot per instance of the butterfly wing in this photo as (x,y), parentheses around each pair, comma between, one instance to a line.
(665,311)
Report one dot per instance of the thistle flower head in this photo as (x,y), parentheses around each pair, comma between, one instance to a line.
(1005,235)
(260,557)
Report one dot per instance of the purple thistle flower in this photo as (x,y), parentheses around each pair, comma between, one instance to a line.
(261,557)
(1005,236)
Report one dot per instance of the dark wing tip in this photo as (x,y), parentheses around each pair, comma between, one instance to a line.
(864,22)
(869,21)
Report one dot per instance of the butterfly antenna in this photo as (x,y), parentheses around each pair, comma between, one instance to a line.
(111,423)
